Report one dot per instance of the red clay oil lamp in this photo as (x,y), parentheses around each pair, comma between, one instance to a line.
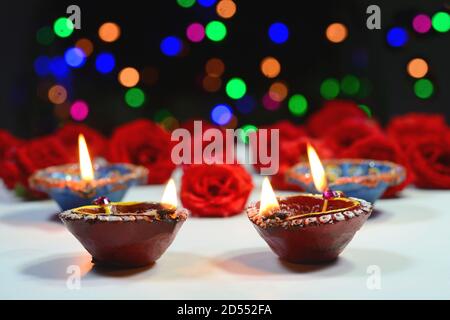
(308,228)
(127,234)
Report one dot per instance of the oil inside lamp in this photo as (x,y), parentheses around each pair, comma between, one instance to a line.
(269,202)
(86,169)
(169,197)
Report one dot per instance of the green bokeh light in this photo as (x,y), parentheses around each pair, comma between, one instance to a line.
(216,30)
(246,130)
(423,88)
(45,36)
(186,3)
(366,109)
(298,105)
(135,97)
(350,85)
(329,89)
(161,115)
(63,27)
(441,21)
(236,88)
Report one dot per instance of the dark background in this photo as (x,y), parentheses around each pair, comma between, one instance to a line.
(307,58)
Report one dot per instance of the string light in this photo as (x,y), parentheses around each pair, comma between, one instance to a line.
(397,37)
(215,67)
(226,9)
(45,36)
(350,85)
(421,23)
(423,88)
(57,94)
(270,67)
(278,32)
(105,62)
(109,32)
(417,68)
(79,110)
(298,105)
(216,31)
(441,21)
(336,32)
(207,3)
(171,46)
(221,114)
(329,89)
(85,45)
(135,97)
(128,77)
(195,32)
(186,3)
(278,91)
(236,88)
(63,27)
(75,57)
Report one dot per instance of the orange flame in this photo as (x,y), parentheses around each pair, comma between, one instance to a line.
(317,170)
(86,170)
(268,198)
(170,194)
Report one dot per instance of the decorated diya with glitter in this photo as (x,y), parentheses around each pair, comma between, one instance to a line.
(75,185)
(298,230)
(365,179)
(126,234)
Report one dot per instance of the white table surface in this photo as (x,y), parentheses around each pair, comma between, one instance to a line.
(409,240)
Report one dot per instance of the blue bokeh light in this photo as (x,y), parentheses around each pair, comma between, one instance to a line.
(221,114)
(75,57)
(58,67)
(397,37)
(206,3)
(42,65)
(105,62)
(278,32)
(171,46)
(246,104)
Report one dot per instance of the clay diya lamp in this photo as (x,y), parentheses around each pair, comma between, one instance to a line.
(298,231)
(75,185)
(126,234)
(361,178)
(308,228)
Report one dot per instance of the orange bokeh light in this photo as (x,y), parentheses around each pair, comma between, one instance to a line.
(85,45)
(211,84)
(57,94)
(270,67)
(129,77)
(215,67)
(336,32)
(278,91)
(226,9)
(417,68)
(109,32)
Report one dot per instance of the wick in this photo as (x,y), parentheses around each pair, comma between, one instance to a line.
(325,205)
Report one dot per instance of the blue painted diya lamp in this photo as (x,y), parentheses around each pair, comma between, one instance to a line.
(75,185)
(360,178)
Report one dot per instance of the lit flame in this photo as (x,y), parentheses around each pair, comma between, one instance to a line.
(268,199)
(170,194)
(317,170)
(86,170)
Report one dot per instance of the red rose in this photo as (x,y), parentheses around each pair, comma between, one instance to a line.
(406,129)
(430,160)
(31,156)
(145,143)
(217,190)
(97,143)
(343,135)
(7,141)
(379,147)
(331,114)
(288,130)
